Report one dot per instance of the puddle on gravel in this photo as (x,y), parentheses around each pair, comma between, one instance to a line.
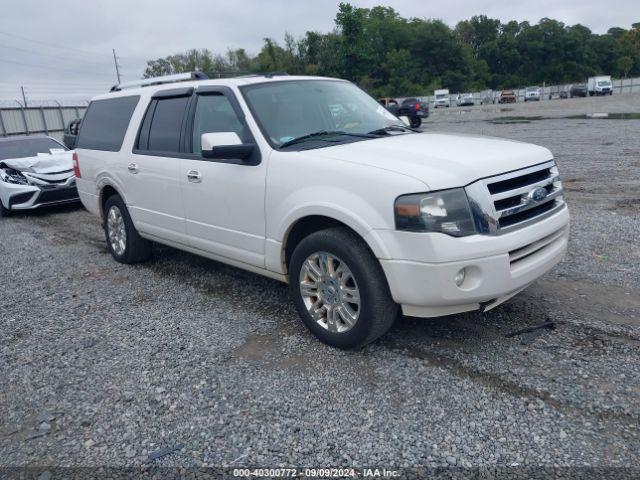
(511,120)
(588,116)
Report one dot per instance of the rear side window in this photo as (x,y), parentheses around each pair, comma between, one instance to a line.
(162,125)
(105,123)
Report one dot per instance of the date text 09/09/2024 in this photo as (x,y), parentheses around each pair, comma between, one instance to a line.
(315,473)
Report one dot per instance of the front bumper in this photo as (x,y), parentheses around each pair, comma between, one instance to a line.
(496,267)
(28,197)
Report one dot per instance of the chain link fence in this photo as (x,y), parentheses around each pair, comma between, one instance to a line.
(620,86)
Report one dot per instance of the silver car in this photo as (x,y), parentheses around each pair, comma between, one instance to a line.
(35,171)
(465,99)
(532,94)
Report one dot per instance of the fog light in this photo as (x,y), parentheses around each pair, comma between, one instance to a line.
(460,277)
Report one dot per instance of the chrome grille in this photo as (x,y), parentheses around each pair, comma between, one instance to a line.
(516,199)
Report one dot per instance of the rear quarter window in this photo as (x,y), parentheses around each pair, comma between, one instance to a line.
(105,123)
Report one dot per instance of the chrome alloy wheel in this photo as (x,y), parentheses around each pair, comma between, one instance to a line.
(116,230)
(330,292)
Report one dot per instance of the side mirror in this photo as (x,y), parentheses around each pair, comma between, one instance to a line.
(70,140)
(225,145)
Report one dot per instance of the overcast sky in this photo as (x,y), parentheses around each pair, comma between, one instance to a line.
(61,49)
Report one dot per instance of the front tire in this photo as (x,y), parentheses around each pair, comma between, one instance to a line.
(339,289)
(124,242)
(4,212)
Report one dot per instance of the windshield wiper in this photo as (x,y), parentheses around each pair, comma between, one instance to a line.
(324,133)
(393,128)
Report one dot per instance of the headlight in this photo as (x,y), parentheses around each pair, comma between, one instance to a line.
(10,175)
(446,211)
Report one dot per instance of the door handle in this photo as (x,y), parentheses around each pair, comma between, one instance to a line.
(133,167)
(194,176)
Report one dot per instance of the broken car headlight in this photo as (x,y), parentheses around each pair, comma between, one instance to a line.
(446,211)
(10,175)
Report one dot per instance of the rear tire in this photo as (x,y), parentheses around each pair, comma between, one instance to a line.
(331,269)
(124,242)
(415,122)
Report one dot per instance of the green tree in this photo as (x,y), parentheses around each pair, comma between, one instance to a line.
(389,55)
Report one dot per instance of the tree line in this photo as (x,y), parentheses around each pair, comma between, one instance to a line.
(389,55)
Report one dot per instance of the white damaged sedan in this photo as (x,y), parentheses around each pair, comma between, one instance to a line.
(35,171)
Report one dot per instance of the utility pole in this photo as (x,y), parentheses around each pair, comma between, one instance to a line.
(115,61)
(24,97)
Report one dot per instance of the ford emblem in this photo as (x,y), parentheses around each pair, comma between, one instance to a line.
(538,194)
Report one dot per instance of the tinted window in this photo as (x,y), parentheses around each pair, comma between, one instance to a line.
(214,113)
(105,123)
(166,124)
(27,147)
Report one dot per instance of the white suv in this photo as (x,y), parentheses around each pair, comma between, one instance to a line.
(310,181)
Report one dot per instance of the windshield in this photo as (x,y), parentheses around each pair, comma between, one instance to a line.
(290,109)
(604,83)
(440,96)
(27,147)
(533,89)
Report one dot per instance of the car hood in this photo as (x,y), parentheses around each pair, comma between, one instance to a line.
(53,163)
(439,160)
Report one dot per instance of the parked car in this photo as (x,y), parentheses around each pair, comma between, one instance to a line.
(558,93)
(600,85)
(487,97)
(507,96)
(578,90)
(35,171)
(71,133)
(415,109)
(441,98)
(362,216)
(532,94)
(465,99)
(412,108)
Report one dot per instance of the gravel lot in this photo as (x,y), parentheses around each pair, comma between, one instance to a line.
(105,364)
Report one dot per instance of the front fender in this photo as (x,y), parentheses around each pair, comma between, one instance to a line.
(361,216)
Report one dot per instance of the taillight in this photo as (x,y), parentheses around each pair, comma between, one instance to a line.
(417,106)
(76,167)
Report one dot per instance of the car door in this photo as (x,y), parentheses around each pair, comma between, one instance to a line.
(223,199)
(153,187)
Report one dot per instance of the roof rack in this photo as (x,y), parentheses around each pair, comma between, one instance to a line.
(266,75)
(275,74)
(178,77)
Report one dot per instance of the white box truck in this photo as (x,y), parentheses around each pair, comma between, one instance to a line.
(600,85)
(441,98)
